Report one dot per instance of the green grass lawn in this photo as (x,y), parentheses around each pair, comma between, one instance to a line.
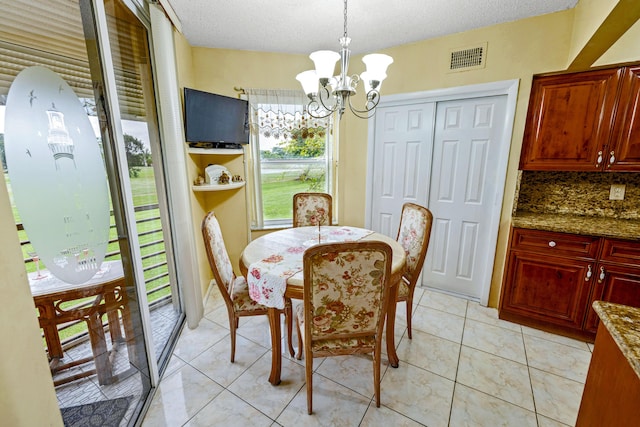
(278,191)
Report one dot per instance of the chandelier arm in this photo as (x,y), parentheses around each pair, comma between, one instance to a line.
(316,109)
(317,116)
(327,96)
(373,98)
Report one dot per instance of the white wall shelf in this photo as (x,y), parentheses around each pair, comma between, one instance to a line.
(216,151)
(218,187)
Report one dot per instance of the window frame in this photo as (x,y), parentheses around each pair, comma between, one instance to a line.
(254,192)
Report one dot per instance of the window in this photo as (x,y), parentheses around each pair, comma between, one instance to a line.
(291,152)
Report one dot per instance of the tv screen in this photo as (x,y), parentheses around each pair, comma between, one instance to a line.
(213,118)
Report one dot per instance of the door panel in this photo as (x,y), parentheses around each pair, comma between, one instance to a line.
(466,151)
(402,155)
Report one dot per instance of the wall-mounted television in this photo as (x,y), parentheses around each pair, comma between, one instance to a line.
(215,121)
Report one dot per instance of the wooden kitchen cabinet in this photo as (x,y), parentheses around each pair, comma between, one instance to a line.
(616,279)
(569,121)
(548,280)
(552,279)
(626,143)
(585,121)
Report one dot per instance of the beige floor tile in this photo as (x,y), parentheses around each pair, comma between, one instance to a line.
(496,376)
(385,417)
(430,352)
(192,342)
(174,364)
(473,408)
(489,315)
(215,362)
(180,396)
(555,338)
(556,397)
(438,323)
(417,394)
(354,372)
(444,302)
(559,359)
(333,405)
(548,422)
(229,410)
(253,386)
(495,340)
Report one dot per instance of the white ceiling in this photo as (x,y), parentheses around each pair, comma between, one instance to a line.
(303,26)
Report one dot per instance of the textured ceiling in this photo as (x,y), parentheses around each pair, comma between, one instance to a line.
(302,26)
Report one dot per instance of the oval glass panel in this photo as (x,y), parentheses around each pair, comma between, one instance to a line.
(57,174)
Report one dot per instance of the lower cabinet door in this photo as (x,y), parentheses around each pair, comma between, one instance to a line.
(617,284)
(547,289)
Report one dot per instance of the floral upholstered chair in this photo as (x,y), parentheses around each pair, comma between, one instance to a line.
(234,290)
(346,295)
(413,234)
(312,209)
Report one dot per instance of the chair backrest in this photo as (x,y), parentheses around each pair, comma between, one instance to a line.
(413,234)
(346,289)
(311,208)
(217,255)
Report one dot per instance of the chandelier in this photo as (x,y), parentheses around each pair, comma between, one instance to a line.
(328,93)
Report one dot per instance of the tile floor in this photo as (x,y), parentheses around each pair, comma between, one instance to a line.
(463,367)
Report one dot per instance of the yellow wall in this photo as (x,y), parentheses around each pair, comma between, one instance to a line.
(27,397)
(589,15)
(627,49)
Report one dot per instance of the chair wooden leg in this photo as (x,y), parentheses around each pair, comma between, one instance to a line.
(233,323)
(300,344)
(288,316)
(409,303)
(376,376)
(308,364)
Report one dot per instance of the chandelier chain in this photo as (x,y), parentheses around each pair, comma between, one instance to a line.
(345,18)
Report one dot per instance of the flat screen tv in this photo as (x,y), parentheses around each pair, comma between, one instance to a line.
(215,120)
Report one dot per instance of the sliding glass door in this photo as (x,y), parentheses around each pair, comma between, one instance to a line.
(78,111)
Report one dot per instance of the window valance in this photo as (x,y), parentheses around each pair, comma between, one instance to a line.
(279,112)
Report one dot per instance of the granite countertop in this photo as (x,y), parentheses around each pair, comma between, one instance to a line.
(577,224)
(623,323)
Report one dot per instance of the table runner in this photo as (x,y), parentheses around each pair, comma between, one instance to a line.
(267,278)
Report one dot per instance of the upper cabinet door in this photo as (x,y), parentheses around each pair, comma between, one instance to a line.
(569,121)
(624,155)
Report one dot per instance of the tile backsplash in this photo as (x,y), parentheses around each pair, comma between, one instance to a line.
(578,193)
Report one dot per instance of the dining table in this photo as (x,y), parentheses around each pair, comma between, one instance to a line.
(273,266)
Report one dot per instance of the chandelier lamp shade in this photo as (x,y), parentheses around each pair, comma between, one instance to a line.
(328,93)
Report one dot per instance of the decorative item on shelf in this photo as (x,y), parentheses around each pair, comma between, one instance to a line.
(199,180)
(334,92)
(212,174)
(224,178)
(236,178)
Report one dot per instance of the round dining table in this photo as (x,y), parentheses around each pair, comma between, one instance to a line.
(288,246)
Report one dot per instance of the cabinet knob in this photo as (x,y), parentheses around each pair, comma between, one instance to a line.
(602,275)
(552,244)
(612,158)
(599,161)
(588,275)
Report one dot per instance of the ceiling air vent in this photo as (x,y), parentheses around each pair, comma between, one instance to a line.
(467,58)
